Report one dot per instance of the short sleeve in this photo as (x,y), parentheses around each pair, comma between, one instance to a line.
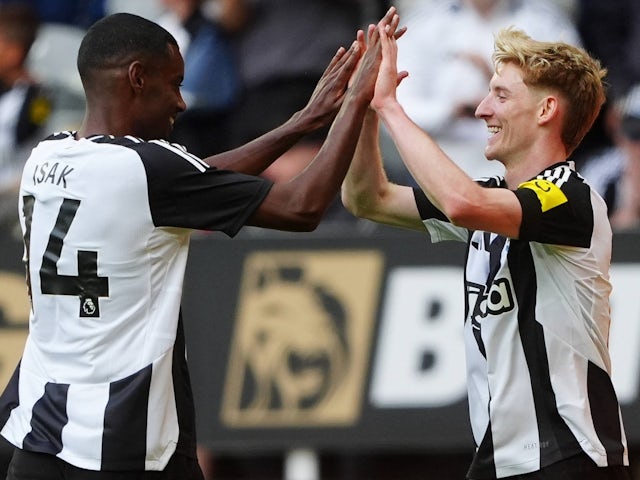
(557,213)
(185,192)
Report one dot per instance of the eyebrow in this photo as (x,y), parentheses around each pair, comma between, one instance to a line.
(499,88)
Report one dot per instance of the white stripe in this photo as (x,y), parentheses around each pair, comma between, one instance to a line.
(192,159)
(162,437)
(86,404)
(557,176)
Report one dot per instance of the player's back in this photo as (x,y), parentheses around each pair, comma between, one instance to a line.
(96,262)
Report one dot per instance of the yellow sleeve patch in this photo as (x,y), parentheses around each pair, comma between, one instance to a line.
(548,193)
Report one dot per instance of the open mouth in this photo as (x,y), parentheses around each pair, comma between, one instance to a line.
(494,130)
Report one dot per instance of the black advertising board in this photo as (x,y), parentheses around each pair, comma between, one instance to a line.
(339,340)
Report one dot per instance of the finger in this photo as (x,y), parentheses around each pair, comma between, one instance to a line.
(401,76)
(339,55)
(370,31)
(388,16)
(351,60)
(385,39)
(342,57)
(362,41)
(393,25)
(400,32)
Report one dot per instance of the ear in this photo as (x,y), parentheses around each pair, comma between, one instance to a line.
(548,109)
(136,75)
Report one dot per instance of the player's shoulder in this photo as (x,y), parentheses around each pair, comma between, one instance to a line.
(155,152)
(561,174)
(557,185)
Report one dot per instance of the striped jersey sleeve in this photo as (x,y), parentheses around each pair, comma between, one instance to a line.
(186,192)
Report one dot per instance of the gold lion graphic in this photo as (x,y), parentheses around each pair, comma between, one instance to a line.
(294,345)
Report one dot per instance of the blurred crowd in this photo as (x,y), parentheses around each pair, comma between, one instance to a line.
(250,64)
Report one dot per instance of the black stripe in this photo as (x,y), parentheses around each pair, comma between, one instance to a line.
(124,440)
(556,441)
(483,464)
(27,210)
(427,209)
(183,396)
(605,413)
(48,418)
(10,398)
(50,281)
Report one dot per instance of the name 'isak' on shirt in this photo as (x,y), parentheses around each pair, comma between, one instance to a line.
(49,173)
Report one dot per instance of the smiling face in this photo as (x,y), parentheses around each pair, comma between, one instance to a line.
(160,100)
(509,110)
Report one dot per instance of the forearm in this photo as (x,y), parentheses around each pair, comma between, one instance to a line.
(254,157)
(321,180)
(301,202)
(367,191)
(430,167)
(365,177)
(448,187)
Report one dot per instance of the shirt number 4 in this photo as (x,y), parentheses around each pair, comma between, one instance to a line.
(87,285)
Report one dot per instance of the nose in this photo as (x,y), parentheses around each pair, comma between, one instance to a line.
(482,110)
(182,106)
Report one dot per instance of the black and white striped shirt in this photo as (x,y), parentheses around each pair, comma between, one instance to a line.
(536,330)
(103,382)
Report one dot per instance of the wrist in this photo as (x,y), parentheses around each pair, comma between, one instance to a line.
(388,109)
(301,120)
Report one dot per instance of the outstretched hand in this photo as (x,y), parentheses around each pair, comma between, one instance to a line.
(345,66)
(327,97)
(388,78)
(369,66)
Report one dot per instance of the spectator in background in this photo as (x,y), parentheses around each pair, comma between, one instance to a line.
(447,52)
(608,156)
(24,106)
(80,13)
(626,214)
(211,82)
(282,48)
(611,31)
(602,161)
(615,171)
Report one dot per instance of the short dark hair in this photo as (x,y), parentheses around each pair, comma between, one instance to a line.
(117,38)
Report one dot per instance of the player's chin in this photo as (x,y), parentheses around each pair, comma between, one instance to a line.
(490,153)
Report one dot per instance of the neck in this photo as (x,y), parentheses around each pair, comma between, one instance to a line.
(524,171)
(543,152)
(104,121)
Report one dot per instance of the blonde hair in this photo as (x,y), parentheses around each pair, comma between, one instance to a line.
(567,69)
